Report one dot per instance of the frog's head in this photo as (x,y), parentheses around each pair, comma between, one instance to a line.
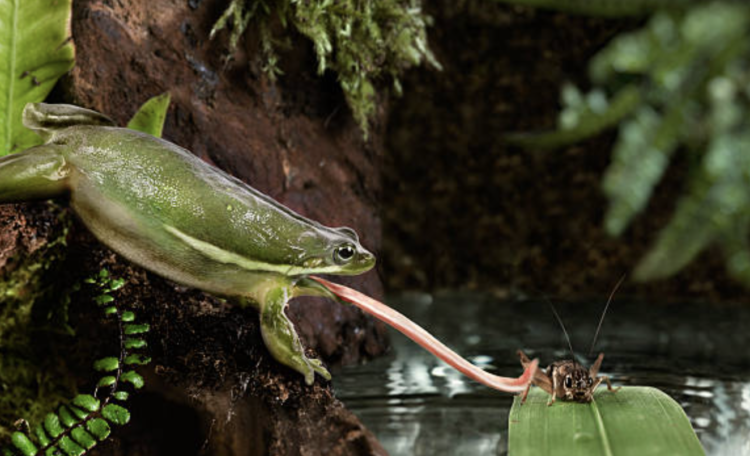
(335,251)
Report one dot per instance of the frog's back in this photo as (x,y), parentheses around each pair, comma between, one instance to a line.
(146,196)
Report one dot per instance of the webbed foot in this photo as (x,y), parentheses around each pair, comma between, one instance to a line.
(282,340)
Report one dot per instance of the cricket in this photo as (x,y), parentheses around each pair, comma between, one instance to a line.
(568,379)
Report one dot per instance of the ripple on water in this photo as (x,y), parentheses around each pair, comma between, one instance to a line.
(417,405)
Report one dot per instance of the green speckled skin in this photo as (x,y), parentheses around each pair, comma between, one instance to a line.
(166,210)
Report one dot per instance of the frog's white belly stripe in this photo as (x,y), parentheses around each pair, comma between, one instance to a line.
(223,256)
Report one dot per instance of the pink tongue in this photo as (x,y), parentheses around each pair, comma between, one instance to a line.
(415,332)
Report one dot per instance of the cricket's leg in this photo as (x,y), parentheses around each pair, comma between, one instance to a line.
(281,338)
(553,395)
(609,384)
(594,369)
(525,393)
(36,173)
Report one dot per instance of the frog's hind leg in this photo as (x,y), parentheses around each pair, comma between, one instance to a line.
(281,338)
(36,173)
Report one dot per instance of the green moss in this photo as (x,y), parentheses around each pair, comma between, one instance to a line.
(363,41)
(28,382)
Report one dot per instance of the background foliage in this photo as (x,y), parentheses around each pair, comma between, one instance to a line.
(360,41)
(678,90)
(36,51)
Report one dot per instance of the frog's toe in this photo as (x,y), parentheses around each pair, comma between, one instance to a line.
(317,365)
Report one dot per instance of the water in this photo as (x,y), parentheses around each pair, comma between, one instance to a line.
(416,405)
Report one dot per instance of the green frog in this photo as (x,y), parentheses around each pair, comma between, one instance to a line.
(163,208)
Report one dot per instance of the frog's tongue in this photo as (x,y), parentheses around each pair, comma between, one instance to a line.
(427,341)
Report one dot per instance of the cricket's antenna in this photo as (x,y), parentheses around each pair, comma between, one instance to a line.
(604,313)
(559,320)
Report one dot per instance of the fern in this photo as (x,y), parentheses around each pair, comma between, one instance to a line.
(78,426)
(679,84)
(360,40)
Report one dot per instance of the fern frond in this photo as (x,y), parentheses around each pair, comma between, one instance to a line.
(79,425)
(691,71)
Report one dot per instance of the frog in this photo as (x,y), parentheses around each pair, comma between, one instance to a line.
(163,208)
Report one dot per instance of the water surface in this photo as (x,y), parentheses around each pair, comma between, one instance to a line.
(417,405)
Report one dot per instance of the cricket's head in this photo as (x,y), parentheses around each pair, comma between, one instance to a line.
(574,381)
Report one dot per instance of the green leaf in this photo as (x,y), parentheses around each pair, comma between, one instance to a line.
(135,343)
(116,414)
(104,299)
(23,444)
(81,414)
(137,359)
(134,378)
(52,425)
(634,421)
(128,316)
(116,284)
(150,117)
(83,438)
(106,381)
(583,117)
(99,428)
(41,435)
(66,417)
(640,157)
(35,50)
(107,364)
(70,447)
(136,329)
(121,395)
(87,402)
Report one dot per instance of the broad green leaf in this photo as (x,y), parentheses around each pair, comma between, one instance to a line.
(582,118)
(150,117)
(36,51)
(637,421)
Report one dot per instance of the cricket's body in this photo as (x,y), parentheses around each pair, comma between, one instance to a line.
(568,380)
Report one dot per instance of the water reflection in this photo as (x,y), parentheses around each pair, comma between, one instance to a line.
(417,405)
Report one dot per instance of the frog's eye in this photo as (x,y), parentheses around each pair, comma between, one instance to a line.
(591,381)
(568,382)
(343,254)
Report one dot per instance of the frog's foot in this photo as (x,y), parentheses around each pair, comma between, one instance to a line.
(36,173)
(282,340)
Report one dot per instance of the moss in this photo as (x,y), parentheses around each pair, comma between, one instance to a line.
(363,41)
(29,381)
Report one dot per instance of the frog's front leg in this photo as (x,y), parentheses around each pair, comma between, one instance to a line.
(281,338)
(36,173)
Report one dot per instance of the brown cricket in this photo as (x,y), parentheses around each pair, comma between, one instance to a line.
(568,379)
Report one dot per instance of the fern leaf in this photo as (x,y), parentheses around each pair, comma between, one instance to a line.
(78,426)
(582,117)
